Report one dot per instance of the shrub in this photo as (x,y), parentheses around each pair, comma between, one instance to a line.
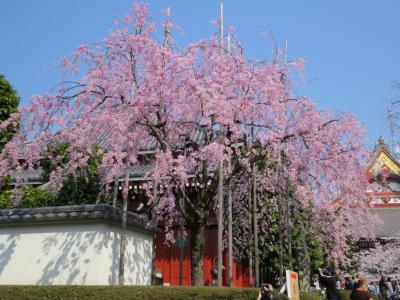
(141,293)
(31,197)
(6,199)
(128,292)
(81,187)
(36,197)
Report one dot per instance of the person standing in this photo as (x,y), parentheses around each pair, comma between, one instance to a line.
(329,282)
(383,289)
(371,288)
(359,292)
(390,288)
(214,275)
(266,292)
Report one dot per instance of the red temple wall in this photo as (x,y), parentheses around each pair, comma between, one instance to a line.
(167,261)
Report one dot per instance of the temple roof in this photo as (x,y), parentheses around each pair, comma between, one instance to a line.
(383,161)
(389,218)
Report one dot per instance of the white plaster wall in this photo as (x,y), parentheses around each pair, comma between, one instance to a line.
(138,258)
(83,254)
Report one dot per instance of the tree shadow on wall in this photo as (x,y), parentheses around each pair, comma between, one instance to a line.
(7,250)
(68,266)
(138,259)
(76,254)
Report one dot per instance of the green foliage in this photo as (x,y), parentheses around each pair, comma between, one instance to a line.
(82,187)
(30,197)
(310,296)
(352,264)
(128,292)
(301,234)
(6,199)
(36,197)
(9,101)
(141,293)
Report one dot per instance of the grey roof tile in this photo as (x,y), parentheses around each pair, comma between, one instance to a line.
(79,213)
(390,221)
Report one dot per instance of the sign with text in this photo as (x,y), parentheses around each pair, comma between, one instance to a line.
(292,285)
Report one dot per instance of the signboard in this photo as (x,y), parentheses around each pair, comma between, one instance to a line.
(292,285)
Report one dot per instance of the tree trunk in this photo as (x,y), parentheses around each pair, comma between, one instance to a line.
(197,253)
(122,244)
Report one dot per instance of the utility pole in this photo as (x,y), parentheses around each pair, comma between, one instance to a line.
(166,29)
(288,220)
(221,28)
(280,207)
(230,233)
(393,129)
(220,183)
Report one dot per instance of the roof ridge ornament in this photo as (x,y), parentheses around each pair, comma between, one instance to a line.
(382,144)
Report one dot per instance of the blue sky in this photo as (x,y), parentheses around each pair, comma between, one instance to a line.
(351,48)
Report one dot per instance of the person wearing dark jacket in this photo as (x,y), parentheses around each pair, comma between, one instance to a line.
(266,292)
(329,282)
(383,289)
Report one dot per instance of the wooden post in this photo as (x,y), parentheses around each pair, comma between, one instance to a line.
(280,223)
(115,192)
(289,225)
(181,245)
(220,220)
(122,244)
(154,222)
(230,234)
(250,235)
(255,230)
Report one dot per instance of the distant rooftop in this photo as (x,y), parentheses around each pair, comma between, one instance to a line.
(390,222)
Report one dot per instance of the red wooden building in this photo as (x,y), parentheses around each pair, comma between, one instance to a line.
(168,261)
(383,175)
(383,192)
